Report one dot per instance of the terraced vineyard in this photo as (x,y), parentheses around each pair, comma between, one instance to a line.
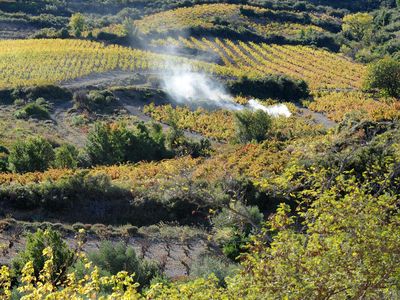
(321,69)
(209,15)
(218,125)
(337,105)
(33,62)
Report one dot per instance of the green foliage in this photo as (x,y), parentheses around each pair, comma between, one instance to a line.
(33,252)
(77,24)
(348,245)
(235,246)
(252,126)
(66,156)
(113,258)
(70,192)
(384,75)
(130,29)
(238,216)
(273,86)
(206,265)
(33,154)
(3,158)
(37,109)
(140,143)
(358,25)
(182,146)
(94,100)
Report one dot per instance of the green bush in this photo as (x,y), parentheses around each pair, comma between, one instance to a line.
(178,144)
(94,100)
(73,192)
(35,244)
(206,265)
(384,75)
(38,110)
(272,86)
(235,246)
(33,154)
(77,24)
(126,145)
(252,126)
(3,158)
(66,156)
(113,258)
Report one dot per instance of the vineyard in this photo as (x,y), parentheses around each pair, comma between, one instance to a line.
(319,68)
(209,15)
(205,149)
(220,124)
(253,161)
(217,125)
(32,62)
(337,105)
(35,62)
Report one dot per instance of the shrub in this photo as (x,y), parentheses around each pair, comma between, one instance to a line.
(252,126)
(105,139)
(77,24)
(36,110)
(235,246)
(206,265)
(3,158)
(66,156)
(33,252)
(272,86)
(113,258)
(126,145)
(33,154)
(182,146)
(94,100)
(384,75)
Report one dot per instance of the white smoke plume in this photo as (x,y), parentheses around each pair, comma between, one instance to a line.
(194,90)
(197,90)
(273,110)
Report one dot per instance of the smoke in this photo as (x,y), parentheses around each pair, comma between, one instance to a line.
(195,90)
(273,110)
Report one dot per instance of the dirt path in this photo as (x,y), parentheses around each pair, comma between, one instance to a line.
(318,118)
(103,80)
(59,117)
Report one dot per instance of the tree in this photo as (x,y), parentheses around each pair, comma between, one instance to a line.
(130,29)
(384,75)
(62,256)
(77,24)
(66,156)
(34,154)
(358,25)
(252,126)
